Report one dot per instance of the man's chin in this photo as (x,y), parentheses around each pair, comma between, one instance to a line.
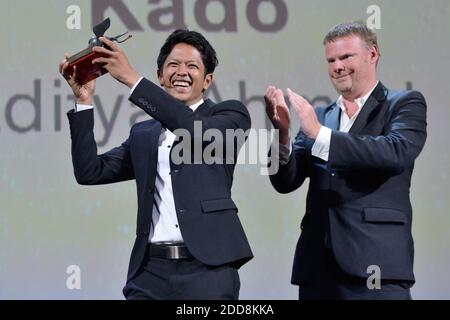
(179,94)
(342,88)
(185,99)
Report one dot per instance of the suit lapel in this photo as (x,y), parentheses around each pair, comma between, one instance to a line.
(375,99)
(200,109)
(150,146)
(204,106)
(332,117)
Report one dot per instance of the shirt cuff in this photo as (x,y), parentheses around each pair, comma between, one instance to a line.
(285,153)
(321,147)
(135,85)
(82,107)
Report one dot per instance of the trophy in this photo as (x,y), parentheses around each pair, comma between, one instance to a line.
(86,70)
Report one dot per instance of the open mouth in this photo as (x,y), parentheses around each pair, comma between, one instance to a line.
(181,83)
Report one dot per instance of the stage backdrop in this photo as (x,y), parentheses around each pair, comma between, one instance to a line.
(60,240)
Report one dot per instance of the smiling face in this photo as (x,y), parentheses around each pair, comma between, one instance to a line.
(183,74)
(351,66)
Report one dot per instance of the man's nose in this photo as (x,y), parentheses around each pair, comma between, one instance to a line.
(338,66)
(182,69)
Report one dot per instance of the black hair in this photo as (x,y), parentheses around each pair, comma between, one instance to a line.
(194,39)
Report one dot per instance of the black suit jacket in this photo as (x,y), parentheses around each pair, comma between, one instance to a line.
(358,202)
(206,213)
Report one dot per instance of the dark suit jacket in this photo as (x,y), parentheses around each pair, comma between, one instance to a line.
(358,202)
(202,192)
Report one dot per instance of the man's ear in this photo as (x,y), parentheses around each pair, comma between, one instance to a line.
(207,82)
(374,54)
(160,77)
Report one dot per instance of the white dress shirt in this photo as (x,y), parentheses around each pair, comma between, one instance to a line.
(321,147)
(165,227)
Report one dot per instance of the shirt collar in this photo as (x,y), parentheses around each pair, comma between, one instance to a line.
(359,101)
(196,105)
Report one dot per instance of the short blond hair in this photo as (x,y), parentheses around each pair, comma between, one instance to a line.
(356,28)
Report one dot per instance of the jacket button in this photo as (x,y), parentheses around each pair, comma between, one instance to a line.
(181,211)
